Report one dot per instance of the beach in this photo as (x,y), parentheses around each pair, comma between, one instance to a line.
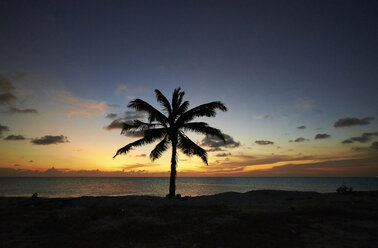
(262,218)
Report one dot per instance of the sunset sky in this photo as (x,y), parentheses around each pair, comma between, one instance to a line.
(299,79)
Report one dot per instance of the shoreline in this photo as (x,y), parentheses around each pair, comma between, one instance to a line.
(262,218)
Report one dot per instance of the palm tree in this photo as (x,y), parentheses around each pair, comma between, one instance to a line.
(170,128)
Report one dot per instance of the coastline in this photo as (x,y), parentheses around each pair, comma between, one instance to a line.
(262,218)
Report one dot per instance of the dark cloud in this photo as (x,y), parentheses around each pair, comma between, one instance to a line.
(322,136)
(215,142)
(128,116)
(7,98)
(113,105)
(16,165)
(115,124)
(49,140)
(3,129)
(15,137)
(317,129)
(347,122)
(264,142)
(374,145)
(5,84)
(111,115)
(31,161)
(301,127)
(365,137)
(13,110)
(220,155)
(300,139)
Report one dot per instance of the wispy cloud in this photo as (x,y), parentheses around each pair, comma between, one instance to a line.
(13,110)
(80,107)
(301,127)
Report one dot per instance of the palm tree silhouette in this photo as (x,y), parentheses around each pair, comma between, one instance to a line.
(170,129)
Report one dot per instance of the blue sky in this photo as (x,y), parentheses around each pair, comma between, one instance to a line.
(295,63)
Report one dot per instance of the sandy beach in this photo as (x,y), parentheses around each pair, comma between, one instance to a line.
(263,218)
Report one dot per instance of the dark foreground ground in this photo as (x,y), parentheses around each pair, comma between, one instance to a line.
(255,219)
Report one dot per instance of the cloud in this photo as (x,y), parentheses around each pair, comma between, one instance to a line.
(31,161)
(141,155)
(220,155)
(112,105)
(5,84)
(81,107)
(260,117)
(365,137)
(347,122)
(49,140)
(13,110)
(264,142)
(15,137)
(116,124)
(300,139)
(127,117)
(301,127)
(217,143)
(3,129)
(53,172)
(322,136)
(7,98)
(111,116)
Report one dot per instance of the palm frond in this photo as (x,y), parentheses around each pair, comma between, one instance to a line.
(203,128)
(153,113)
(163,101)
(207,109)
(189,148)
(143,141)
(137,126)
(159,149)
(176,100)
(183,108)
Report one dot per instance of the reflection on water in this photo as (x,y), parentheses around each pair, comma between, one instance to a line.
(72,187)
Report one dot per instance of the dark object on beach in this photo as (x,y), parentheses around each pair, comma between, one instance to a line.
(344,189)
(34,196)
(169,130)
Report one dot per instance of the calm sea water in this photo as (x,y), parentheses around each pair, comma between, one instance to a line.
(72,187)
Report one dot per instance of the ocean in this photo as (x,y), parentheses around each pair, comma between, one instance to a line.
(186,186)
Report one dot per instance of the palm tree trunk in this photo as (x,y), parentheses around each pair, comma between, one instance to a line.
(172,181)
